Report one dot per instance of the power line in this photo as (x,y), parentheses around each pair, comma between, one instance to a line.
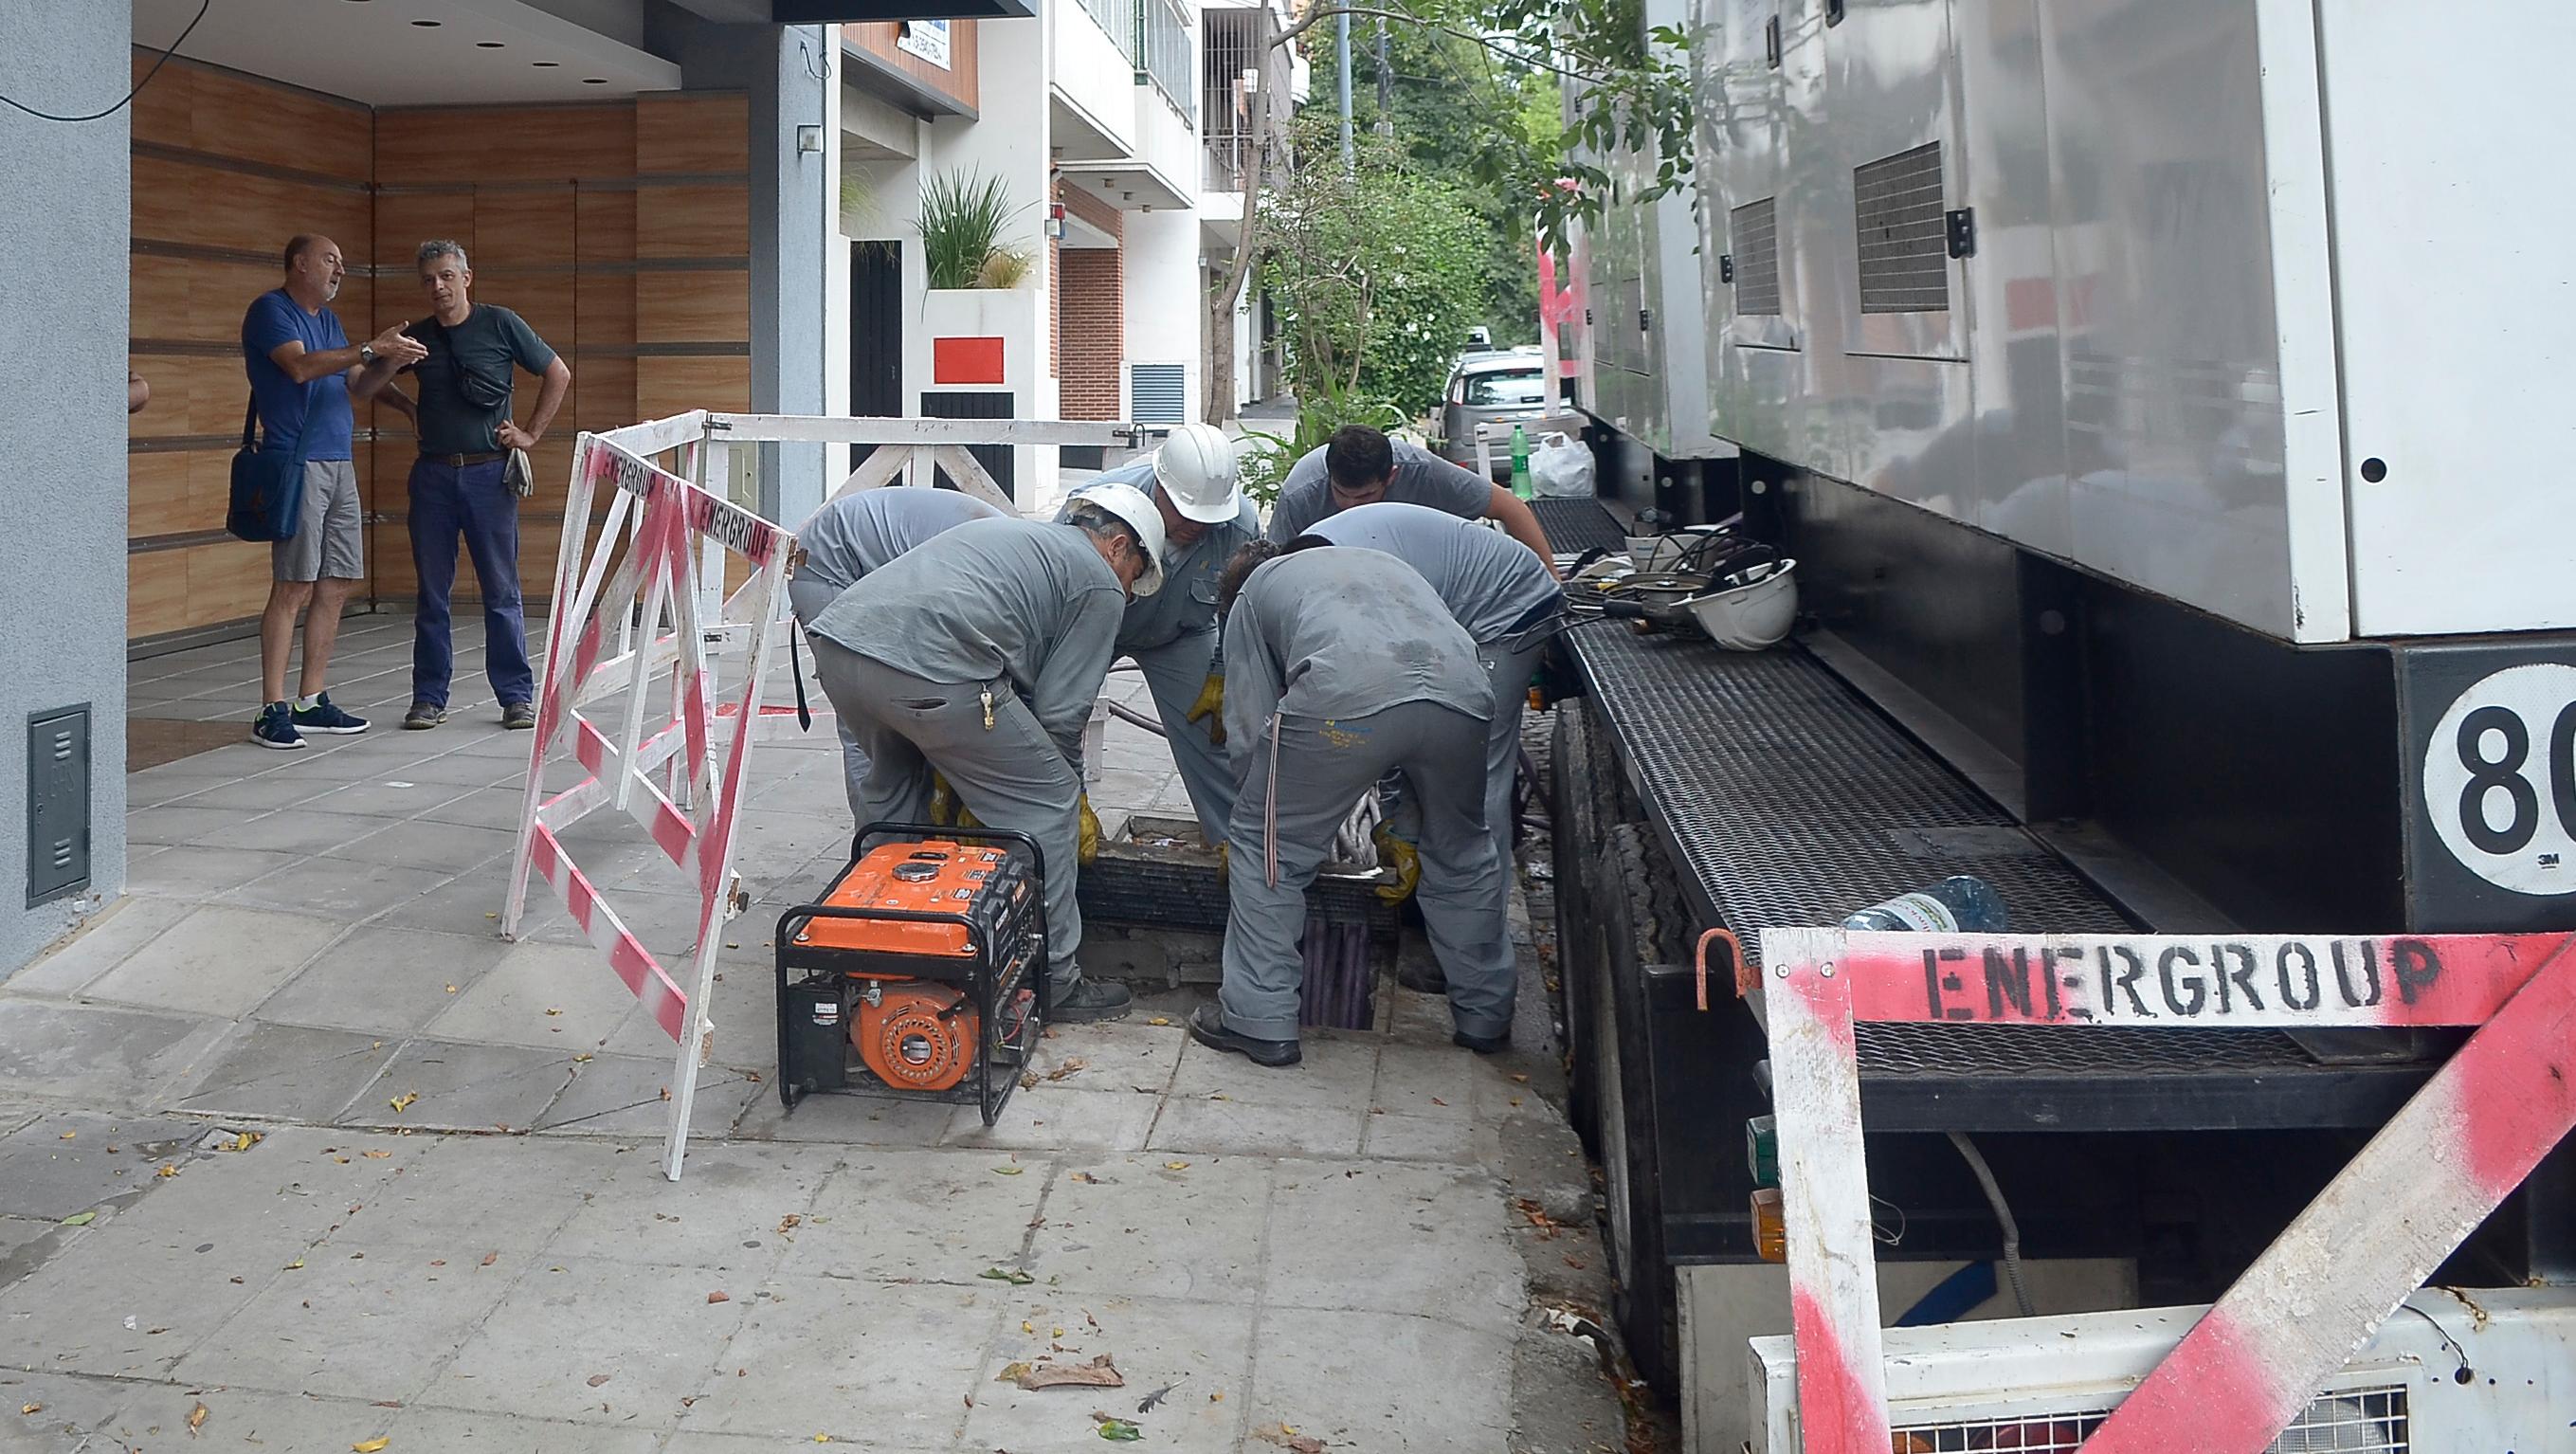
(202,7)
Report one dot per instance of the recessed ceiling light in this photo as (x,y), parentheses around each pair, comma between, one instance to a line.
(429,24)
(594,80)
(487,45)
(545,65)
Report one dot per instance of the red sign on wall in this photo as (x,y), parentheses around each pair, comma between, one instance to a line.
(966,361)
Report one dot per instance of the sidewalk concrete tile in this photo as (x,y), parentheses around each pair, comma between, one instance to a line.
(1121,1053)
(1435,1244)
(199,873)
(184,822)
(623,1095)
(67,1408)
(97,1054)
(384,981)
(449,848)
(1383,1382)
(392,797)
(267,793)
(723,1213)
(348,1324)
(1433,1081)
(548,997)
(106,942)
(460,1197)
(1338,1073)
(129,1303)
(461,1087)
(59,1165)
(1192,1349)
(288,1072)
(939,1216)
(156,1418)
(220,960)
(850,1120)
(1130,1226)
(1236,1128)
(470,904)
(439,1431)
(744,1008)
(291,1189)
(482,808)
(338,888)
(1054,1118)
(1421,1138)
(297,830)
(656,1338)
(861,1362)
(170,783)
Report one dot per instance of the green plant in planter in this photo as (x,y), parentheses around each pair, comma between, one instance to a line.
(961,224)
(1004,267)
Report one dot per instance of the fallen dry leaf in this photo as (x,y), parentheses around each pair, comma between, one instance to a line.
(554,1012)
(1435,1100)
(80,1219)
(596,1379)
(298,1262)
(375,1155)
(196,1418)
(167,1170)
(719,1296)
(67,1135)
(451,989)
(402,1103)
(1008,1170)
(244,1141)
(31,1408)
(1287,1437)
(1160,1020)
(491,1257)
(1073,1065)
(578,1059)
(1086,1178)
(370,1446)
(1011,1373)
(1098,1373)
(1176,1166)
(790,1223)
(1521,1076)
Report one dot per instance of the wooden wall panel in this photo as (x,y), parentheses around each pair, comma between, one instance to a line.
(693,221)
(693,307)
(604,224)
(876,39)
(666,386)
(523,225)
(219,293)
(156,592)
(156,493)
(692,132)
(405,220)
(603,392)
(227,581)
(604,308)
(421,145)
(234,116)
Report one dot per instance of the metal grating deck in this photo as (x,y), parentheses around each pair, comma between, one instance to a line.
(1575,526)
(1783,798)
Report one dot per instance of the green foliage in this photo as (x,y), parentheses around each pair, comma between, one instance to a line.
(961,224)
(1261,465)
(1377,273)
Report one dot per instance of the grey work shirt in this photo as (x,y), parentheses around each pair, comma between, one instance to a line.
(865,529)
(1023,601)
(486,344)
(1339,633)
(1490,582)
(1186,605)
(1421,478)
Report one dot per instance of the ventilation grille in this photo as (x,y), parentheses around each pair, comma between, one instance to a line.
(1904,243)
(1755,241)
(1157,393)
(2363,1421)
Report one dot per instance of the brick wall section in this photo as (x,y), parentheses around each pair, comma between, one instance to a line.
(1055,282)
(1092,303)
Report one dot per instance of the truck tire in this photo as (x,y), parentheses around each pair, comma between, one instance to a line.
(1637,917)
(1577,836)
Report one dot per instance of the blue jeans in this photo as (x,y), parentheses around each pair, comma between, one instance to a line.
(446,501)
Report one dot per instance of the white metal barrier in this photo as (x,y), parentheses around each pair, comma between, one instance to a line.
(639,607)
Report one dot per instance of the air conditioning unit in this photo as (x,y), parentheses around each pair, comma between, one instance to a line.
(2485,1370)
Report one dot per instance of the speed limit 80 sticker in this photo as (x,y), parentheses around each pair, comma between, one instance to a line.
(2500,779)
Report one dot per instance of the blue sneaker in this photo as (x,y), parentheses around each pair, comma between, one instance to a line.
(322,716)
(276,727)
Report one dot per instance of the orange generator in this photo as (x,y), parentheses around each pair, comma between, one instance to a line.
(921,971)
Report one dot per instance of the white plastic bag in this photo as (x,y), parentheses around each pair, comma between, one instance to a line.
(1560,467)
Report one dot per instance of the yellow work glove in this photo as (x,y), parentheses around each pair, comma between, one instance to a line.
(1395,853)
(1211,705)
(1086,833)
(1224,860)
(943,802)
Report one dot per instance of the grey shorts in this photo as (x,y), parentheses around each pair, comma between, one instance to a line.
(332,541)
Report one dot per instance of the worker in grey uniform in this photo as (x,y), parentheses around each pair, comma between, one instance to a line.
(1495,588)
(978,654)
(1340,665)
(1361,466)
(852,536)
(1172,633)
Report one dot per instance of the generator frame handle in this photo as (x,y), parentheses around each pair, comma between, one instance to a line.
(889,829)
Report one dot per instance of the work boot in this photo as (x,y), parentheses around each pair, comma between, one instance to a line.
(1424,977)
(1085,1001)
(1494,1044)
(1208,1027)
(423,716)
(518,716)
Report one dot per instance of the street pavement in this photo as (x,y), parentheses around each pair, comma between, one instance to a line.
(297,1153)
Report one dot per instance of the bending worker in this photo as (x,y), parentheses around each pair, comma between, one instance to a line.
(1172,633)
(1341,665)
(1503,595)
(979,654)
(1361,466)
(851,536)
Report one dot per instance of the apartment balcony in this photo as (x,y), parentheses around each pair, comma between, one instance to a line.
(1093,57)
(1155,161)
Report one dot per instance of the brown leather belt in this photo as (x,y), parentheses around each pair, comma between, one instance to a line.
(459,461)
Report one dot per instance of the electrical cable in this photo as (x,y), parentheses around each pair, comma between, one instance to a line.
(202,7)
(2003,1214)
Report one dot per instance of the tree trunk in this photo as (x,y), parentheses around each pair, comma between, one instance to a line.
(1219,370)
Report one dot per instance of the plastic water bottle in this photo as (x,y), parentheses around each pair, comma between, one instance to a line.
(1960,905)
(1520,463)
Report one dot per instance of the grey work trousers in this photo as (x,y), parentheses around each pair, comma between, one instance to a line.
(1322,768)
(807,597)
(1509,671)
(1009,775)
(1176,673)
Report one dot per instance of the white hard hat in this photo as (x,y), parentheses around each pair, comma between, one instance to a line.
(1195,467)
(1128,503)
(1750,609)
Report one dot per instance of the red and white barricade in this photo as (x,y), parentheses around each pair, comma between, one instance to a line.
(680,539)
(2252,1362)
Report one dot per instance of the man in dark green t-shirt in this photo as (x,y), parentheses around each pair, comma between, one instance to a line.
(459,484)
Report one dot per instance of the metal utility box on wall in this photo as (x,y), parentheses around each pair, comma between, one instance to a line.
(58,840)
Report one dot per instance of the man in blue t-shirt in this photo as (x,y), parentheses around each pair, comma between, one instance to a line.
(303,378)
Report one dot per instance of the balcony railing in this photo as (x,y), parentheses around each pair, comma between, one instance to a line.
(1232,41)
(1165,61)
(1117,19)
